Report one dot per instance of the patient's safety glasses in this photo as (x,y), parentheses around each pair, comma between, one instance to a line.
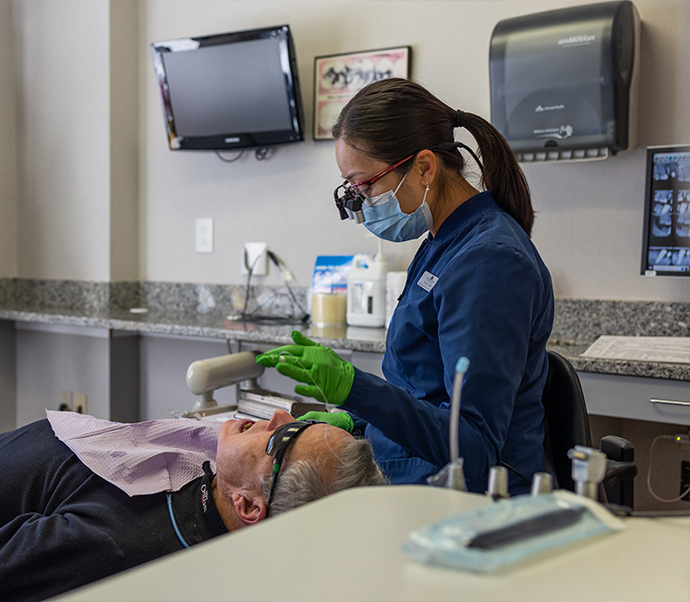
(278,445)
(352,195)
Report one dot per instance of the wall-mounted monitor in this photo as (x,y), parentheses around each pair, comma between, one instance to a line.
(230,91)
(666,242)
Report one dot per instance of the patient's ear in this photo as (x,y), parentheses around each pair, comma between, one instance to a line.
(250,507)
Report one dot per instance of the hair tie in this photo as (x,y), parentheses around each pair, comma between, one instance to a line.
(459,118)
(450,146)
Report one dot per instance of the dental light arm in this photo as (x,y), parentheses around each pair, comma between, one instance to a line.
(205,376)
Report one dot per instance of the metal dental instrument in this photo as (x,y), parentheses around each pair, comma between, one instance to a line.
(542,482)
(498,483)
(589,469)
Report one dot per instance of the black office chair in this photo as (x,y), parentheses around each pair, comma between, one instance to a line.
(566,425)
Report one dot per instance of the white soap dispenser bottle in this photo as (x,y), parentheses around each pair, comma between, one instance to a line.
(366,290)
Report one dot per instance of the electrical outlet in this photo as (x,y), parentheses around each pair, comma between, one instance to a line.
(80,403)
(255,256)
(65,401)
(685,479)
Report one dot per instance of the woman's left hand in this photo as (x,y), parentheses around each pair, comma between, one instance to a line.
(342,420)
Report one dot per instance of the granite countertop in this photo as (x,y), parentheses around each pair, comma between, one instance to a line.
(215,325)
(673,371)
(209,325)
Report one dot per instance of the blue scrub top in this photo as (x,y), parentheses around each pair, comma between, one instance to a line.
(477,289)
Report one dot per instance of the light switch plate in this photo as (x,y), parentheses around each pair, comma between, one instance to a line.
(204,235)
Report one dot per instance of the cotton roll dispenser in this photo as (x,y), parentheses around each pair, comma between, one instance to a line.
(564,83)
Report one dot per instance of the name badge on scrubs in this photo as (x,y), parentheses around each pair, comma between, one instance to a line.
(427,281)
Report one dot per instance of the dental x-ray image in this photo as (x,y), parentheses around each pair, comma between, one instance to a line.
(683,214)
(666,249)
(661,213)
(681,257)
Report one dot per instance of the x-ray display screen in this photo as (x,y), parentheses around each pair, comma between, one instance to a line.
(666,249)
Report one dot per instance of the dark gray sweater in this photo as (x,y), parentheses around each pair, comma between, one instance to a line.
(62,526)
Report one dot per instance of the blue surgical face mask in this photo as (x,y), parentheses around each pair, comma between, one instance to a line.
(384,218)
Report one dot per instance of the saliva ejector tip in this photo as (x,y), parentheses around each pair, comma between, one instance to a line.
(462,365)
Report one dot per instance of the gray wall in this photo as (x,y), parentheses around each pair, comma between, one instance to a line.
(8,166)
(62,124)
(89,130)
(124,140)
(53,359)
(69,139)
(589,215)
(50,359)
(8,376)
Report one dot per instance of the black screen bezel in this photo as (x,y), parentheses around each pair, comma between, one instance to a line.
(232,140)
(645,270)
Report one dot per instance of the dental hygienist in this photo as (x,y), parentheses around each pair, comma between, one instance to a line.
(475,288)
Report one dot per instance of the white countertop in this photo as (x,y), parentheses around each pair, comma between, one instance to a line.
(348,547)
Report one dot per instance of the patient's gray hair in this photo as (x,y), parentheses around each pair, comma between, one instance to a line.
(306,480)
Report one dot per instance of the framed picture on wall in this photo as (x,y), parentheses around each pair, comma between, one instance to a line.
(338,77)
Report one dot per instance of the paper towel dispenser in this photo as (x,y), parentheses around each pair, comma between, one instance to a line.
(564,82)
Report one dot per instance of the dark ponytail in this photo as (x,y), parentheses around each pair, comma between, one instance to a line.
(501,173)
(395,117)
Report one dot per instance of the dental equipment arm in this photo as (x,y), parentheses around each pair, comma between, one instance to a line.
(205,376)
(452,475)
(460,370)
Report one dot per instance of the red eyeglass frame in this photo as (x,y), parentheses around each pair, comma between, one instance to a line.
(377,176)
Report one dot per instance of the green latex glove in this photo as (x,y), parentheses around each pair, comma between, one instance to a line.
(326,375)
(340,419)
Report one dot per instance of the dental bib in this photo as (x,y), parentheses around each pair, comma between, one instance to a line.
(140,458)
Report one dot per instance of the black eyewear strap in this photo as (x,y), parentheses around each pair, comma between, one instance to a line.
(278,445)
